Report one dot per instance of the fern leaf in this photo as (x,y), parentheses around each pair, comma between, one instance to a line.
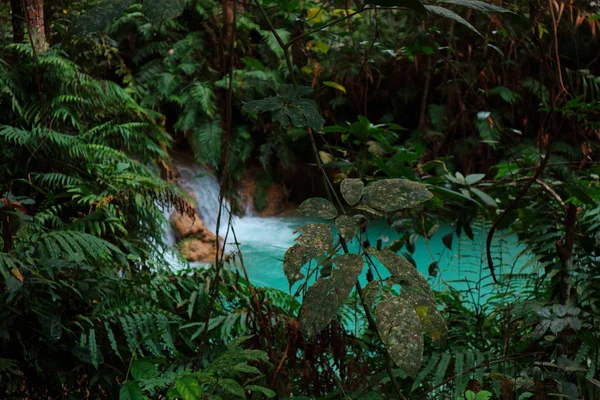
(75,246)
(424,373)
(111,339)
(205,96)
(440,372)
(461,381)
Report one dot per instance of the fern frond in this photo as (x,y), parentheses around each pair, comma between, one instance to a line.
(272,43)
(206,142)
(55,180)
(205,96)
(75,246)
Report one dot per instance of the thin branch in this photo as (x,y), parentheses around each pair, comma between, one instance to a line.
(558,67)
(552,193)
(327,25)
(288,61)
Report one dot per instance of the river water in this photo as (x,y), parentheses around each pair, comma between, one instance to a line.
(264,241)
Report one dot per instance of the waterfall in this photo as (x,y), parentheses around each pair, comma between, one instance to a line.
(263,241)
(204,186)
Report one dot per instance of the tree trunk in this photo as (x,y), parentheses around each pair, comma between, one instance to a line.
(18,20)
(228,22)
(35,23)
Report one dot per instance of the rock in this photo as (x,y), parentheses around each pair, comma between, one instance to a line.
(209,237)
(198,250)
(196,242)
(276,201)
(275,198)
(185,226)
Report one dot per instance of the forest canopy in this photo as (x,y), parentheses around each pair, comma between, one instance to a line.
(439,160)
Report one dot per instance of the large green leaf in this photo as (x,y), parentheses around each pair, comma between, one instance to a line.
(325,297)
(402,271)
(415,291)
(352,190)
(432,321)
(232,387)
(477,5)
(261,389)
(293,260)
(97,18)
(346,226)
(160,10)
(400,330)
(444,12)
(272,103)
(289,108)
(474,178)
(394,194)
(130,391)
(414,5)
(143,370)
(489,201)
(310,111)
(188,388)
(315,240)
(318,207)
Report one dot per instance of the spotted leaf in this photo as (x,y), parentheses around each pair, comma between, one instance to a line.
(403,272)
(400,330)
(352,190)
(394,194)
(325,297)
(346,227)
(318,207)
(315,240)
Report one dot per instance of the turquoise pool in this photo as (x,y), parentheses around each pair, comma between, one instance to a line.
(264,242)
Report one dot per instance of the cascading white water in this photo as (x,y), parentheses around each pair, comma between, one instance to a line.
(204,186)
(263,241)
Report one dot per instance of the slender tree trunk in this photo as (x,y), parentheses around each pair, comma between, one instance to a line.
(228,22)
(18,20)
(35,22)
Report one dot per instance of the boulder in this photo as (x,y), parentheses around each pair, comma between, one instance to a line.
(276,201)
(196,250)
(185,226)
(208,237)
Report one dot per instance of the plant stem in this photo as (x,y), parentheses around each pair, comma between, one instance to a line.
(283,46)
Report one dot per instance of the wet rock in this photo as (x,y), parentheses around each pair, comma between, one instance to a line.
(196,242)
(185,225)
(196,250)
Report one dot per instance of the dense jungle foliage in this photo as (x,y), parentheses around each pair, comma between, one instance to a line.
(481,116)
